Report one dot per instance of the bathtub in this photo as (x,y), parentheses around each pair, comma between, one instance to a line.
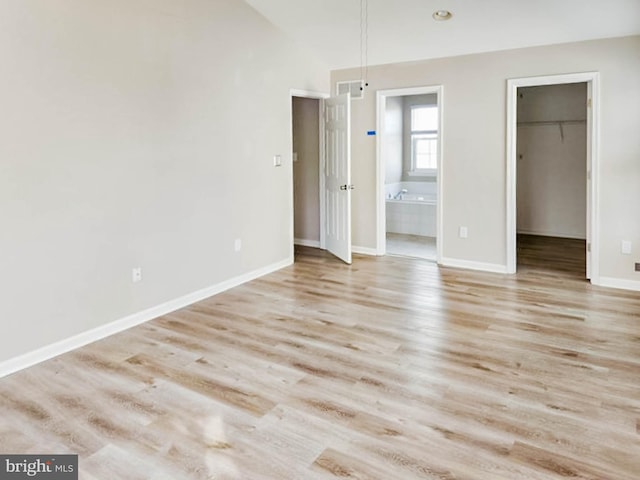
(412,213)
(414,198)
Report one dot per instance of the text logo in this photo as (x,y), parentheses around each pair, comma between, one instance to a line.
(50,467)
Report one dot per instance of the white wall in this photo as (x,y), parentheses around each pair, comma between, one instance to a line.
(474,144)
(552,161)
(306,170)
(137,133)
(393,143)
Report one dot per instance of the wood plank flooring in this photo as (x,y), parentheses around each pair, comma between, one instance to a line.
(551,254)
(391,368)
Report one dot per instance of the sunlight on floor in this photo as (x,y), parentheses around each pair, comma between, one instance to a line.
(217,461)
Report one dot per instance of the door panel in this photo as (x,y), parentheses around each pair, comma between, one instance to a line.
(589,175)
(337,176)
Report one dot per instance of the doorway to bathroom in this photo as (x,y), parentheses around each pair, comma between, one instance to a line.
(409,169)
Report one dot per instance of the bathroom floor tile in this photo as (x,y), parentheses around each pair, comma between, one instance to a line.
(411,246)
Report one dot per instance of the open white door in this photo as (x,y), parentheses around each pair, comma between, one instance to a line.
(589,171)
(337,176)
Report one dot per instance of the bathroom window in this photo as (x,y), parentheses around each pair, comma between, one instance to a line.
(424,139)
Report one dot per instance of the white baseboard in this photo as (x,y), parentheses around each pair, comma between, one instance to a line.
(364,250)
(29,359)
(306,243)
(552,234)
(612,282)
(470,265)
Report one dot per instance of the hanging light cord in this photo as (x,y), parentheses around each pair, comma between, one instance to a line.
(364,43)
(361,42)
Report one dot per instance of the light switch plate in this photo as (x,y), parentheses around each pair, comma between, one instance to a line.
(136,274)
(625,248)
(277,160)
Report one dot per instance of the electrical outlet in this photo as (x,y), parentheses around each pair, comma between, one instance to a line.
(625,247)
(237,246)
(136,274)
(464,232)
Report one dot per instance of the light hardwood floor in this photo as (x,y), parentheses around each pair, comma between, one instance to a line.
(391,368)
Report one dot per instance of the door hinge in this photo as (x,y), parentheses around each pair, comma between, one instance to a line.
(589,103)
(589,247)
(589,175)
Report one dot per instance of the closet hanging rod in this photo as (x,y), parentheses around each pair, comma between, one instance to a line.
(554,122)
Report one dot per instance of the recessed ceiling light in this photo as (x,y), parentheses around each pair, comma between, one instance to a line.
(442,15)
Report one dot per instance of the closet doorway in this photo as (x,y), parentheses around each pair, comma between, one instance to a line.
(306,167)
(550,162)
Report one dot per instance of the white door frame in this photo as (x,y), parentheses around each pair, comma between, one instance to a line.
(381,217)
(317,96)
(593,171)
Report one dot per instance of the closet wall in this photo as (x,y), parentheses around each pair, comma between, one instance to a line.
(306,170)
(552,160)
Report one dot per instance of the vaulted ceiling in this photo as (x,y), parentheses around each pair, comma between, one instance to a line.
(404,30)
